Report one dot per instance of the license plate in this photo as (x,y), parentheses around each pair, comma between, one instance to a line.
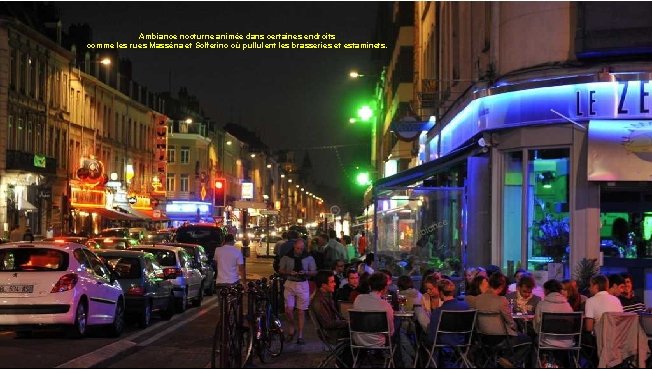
(17,288)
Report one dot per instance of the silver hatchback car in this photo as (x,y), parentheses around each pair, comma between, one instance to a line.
(181,269)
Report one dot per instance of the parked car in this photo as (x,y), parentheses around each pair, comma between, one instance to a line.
(207,235)
(133,234)
(114,243)
(302,230)
(202,262)
(159,236)
(261,246)
(143,282)
(180,268)
(47,283)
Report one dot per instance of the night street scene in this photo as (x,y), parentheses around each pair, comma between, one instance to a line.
(325,184)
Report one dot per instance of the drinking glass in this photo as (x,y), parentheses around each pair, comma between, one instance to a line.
(402,300)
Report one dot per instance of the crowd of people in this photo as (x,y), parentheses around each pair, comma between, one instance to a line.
(322,273)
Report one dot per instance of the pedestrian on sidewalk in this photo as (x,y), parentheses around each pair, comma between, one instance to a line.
(230,263)
(297,266)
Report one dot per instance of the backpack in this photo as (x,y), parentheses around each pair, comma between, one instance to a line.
(282,251)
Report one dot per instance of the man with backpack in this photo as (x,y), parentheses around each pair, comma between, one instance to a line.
(284,249)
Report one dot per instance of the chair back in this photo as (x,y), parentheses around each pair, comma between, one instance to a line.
(619,335)
(321,332)
(561,326)
(368,321)
(344,307)
(456,322)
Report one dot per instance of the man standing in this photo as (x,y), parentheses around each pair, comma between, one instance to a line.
(333,249)
(362,243)
(297,266)
(230,263)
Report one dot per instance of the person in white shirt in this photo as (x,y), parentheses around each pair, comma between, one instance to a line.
(230,263)
(601,302)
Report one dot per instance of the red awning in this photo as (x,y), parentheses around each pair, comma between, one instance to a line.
(110,214)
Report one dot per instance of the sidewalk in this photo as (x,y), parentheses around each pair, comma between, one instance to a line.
(297,356)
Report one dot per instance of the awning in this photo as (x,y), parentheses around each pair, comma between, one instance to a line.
(26,205)
(150,215)
(110,214)
(423,171)
(620,150)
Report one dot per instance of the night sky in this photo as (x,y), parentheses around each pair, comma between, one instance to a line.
(294,99)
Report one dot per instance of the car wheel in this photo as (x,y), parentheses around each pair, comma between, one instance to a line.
(80,325)
(118,320)
(197,301)
(169,309)
(146,316)
(182,303)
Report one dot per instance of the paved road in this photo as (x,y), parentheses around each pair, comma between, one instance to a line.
(183,342)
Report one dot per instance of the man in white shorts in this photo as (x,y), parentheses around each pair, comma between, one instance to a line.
(297,267)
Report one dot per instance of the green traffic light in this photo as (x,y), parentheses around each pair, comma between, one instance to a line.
(365,113)
(363,179)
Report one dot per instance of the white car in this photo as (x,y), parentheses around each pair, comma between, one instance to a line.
(261,246)
(63,284)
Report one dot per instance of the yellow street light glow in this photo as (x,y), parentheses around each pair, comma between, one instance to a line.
(354,74)
(290,180)
(269,165)
(106,61)
(297,186)
(229,142)
(253,155)
(352,120)
(282,175)
(188,121)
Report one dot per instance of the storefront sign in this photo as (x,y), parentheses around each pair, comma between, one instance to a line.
(160,155)
(187,207)
(620,150)
(39,161)
(409,128)
(87,198)
(578,102)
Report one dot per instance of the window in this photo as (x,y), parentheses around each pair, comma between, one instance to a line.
(171,154)
(20,143)
(12,70)
(535,207)
(169,183)
(184,183)
(185,155)
(11,136)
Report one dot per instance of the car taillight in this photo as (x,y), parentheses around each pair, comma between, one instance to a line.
(65,283)
(136,291)
(172,272)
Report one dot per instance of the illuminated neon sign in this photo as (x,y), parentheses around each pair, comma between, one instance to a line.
(580,102)
(188,207)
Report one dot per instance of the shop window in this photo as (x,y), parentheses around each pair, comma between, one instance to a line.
(626,220)
(420,228)
(512,207)
(547,207)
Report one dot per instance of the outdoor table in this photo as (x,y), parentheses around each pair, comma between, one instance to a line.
(522,321)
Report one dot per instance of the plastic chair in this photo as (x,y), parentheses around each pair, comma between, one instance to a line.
(333,346)
(362,325)
(455,331)
(560,326)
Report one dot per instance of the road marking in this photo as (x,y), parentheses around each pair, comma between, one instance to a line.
(107,352)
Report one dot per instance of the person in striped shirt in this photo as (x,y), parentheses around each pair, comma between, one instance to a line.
(631,302)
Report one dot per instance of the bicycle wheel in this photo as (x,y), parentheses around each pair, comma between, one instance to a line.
(247,345)
(261,339)
(275,337)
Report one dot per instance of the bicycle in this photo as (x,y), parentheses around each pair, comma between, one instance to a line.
(267,336)
(232,340)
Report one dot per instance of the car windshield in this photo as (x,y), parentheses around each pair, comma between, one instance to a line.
(199,235)
(124,267)
(165,258)
(33,259)
(159,237)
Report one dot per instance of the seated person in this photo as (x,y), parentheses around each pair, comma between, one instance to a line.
(479,285)
(492,301)
(344,293)
(406,288)
(554,302)
(323,307)
(601,302)
(447,293)
(630,302)
(373,301)
(524,301)
(616,285)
